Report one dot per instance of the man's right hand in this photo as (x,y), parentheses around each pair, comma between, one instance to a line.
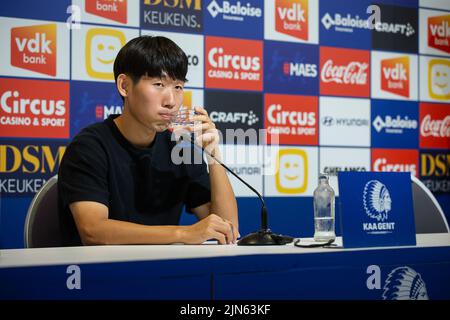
(211,227)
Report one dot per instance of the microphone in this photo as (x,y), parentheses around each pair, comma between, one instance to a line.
(263,237)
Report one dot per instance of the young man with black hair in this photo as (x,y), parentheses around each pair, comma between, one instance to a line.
(117,182)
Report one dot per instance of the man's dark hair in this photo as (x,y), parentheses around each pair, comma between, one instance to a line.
(152,57)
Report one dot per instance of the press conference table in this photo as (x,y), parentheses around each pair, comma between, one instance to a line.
(211,271)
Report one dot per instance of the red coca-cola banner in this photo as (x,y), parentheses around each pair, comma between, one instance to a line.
(434,125)
(344,72)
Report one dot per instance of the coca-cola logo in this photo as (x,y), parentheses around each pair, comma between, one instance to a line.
(353,73)
(435,128)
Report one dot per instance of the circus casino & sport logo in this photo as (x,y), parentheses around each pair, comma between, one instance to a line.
(377,203)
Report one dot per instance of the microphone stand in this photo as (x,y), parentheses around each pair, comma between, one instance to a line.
(263,237)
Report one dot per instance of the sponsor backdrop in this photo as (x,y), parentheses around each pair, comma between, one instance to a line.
(345,85)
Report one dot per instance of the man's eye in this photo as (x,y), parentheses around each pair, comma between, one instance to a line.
(158,84)
(179,87)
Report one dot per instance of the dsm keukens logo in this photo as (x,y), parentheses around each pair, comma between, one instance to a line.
(377,200)
(404,283)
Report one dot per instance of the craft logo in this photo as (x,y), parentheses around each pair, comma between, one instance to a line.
(237,115)
(291,18)
(294,119)
(435,170)
(397,29)
(102,46)
(291,171)
(406,30)
(244,118)
(439,33)
(395,160)
(404,283)
(25,166)
(234,12)
(234,64)
(395,76)
(34,48)
(344,72)
(33,108)
(377,204)
(115,10)
(177,15)
(434,126)
(439,79)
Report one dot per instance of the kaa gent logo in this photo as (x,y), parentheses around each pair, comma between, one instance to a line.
(402,283)
(377,200)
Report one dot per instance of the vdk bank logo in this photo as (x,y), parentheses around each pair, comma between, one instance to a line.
(34,48)
(115,10)
(236,12)
(395,76)
(439,79)
(377,204)
(404,283)
(102,46)
(291,18)
(291,171)
(439,32)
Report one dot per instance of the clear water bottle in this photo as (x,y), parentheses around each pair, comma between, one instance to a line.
(324,211)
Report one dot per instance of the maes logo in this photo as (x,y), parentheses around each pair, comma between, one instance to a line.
(25,166)
(115,10)
(295,69)
(236,12)
(104,111)
(439,32)
(395,76)
(291,18)
(34,48)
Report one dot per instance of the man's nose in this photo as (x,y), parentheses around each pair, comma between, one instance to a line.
(169,101)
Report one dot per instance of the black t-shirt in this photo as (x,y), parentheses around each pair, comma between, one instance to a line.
(140,185)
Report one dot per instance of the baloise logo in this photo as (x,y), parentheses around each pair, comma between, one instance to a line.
(394,125)
(237,12)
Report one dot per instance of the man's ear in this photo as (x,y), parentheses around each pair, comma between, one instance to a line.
(123,84)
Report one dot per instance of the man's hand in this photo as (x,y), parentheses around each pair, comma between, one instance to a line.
(211,227)
(206,134)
